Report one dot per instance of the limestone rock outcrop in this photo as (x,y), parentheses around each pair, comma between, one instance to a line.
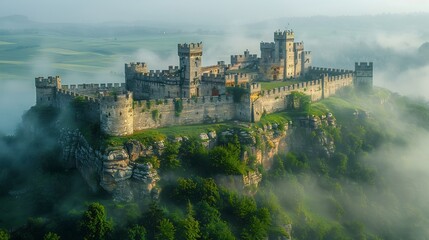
(115,170)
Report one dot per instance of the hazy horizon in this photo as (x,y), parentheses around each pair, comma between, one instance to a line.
(219,12)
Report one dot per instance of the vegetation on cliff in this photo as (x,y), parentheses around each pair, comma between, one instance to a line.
(346,178)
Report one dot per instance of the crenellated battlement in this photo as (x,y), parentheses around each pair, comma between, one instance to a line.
(254,87)
(136,65)
(340,77)
(299,46)
(210,77)
(284,35)
(49,82)
(187,48)
(113,98)
(267,45)
(134,68)
(364,65)
(246,57)
(321,70)
(364,75)
(304,85)
(94,86)
(67,92)
(158,76)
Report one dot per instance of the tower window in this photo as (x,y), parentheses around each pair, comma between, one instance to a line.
(196,73)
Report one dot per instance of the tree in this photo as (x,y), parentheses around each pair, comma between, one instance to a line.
(153,218)
(51,236)
(4,235)
(136,232)
(190,229)
(217,229)
(185,189)
(225,160)
(295,164)
(209,190)
(94,223)
(255,230)
(193,154)
(166,230)
(212,226)
(243,206)
(170,159)
(340,161)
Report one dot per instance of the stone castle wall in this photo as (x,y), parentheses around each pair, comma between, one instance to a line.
(64,99)
(331,71)
(275,100)
(92,89)
(335,83)
(161,113)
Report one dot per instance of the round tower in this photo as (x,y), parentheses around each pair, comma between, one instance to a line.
(116,114)
(190,65)
(46,89)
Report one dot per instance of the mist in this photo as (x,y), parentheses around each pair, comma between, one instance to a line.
(397,44)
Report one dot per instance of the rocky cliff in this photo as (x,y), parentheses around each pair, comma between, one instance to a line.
(121,171)
(115,170)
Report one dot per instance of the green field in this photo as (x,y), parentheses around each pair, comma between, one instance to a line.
(27,55)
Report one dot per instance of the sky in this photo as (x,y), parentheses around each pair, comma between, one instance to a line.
(199,11)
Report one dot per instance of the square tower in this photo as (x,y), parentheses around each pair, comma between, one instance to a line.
(46,89)
(284,52)
(190,58)
(364,76)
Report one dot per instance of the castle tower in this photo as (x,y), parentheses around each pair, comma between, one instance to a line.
(284,52)
(364,76)
(46,89)
(190,56)
(131,72)
(267,52)
(298,65)
(305,61)
(116,114)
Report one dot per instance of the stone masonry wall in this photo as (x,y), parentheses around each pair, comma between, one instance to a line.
(275,100)
(160,113)
(64,99)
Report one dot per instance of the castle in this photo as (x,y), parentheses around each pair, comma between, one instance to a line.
(194,94)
